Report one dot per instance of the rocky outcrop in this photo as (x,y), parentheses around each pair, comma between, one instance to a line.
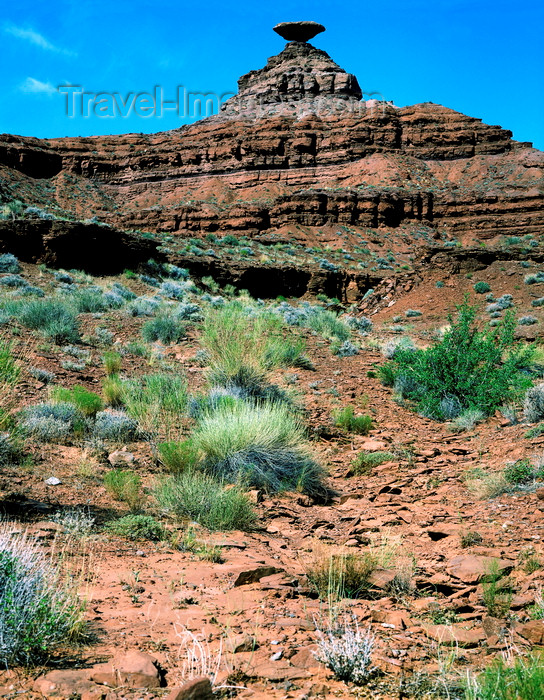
(297,145)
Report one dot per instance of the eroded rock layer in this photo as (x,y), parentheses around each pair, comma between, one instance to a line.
(310,153)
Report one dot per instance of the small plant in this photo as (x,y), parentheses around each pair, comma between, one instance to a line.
(347,420)
(521,680)
(124,485)
(496,591)
(481,288)
(50,422)
(115,425)
(478,369)
(86,401)
(178,456)
(200,497)
(262,446)
(42,375)
(413,313)
(365,462)
(346,651)
(112,363)
(202,550)
(345,349)
(9,263)
(113,391)
(57,322)
(165,329)
(137,527)
(527,321)
(533,405)
(520,472)
(470,539)
(37,611)
(338,574)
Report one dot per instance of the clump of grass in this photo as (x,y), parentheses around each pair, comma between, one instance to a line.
(177,456)
(336,574)
(496,591)
(521,680)
(38,612)
(262,446)
(112,363)
(202,550)
(365,462)
(199,497)
(137,527)
(533,404)
(470,538)
(328,325)
(157,401)
(166,329)
(113,391)
(54,318)
(86,401)
(124,485)
(347,420)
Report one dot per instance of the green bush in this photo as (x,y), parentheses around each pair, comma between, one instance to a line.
(165,329)
(481,288)
(366,461)
(468,369)
(262,446)
(137,527)
(178,456)
(37,611)
(86,401)
(124,486)
(54,318)
(328,325)
(520,472)
(156,400)
(347,420)
(196,496)
(112,362)
(89,301)
(522,680)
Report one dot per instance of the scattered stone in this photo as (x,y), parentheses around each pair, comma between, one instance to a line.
(63,683)
(470,569)
(241,643)
(135,669)
(532,631)
(196,689)
(121,458)
(455,635)
(53,481)
(253,575)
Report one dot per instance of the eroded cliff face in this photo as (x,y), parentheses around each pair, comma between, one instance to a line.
(296,146)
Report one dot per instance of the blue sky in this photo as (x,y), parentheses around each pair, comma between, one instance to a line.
(481,58)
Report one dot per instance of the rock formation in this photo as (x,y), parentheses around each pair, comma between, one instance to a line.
(295,146)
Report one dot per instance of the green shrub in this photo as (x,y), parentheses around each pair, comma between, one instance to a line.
(522,680)
(328,325)
(52,317)
(156,401)
(37,611)
(86,401)
(124,486)
(468,369)
(178,456)
(366,461)
(336,575)
(347,420)
(89,301)
(165,329)
(137,527)
(113,391)
(520,472)
(199,497)
(262,446)
(481,288)
(112,362)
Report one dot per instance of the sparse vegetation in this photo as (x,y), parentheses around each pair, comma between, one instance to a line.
(346,419)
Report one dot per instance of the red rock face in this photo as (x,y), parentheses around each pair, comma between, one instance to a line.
(306,151)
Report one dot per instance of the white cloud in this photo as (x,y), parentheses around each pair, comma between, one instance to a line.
(35,38)
(37,87)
